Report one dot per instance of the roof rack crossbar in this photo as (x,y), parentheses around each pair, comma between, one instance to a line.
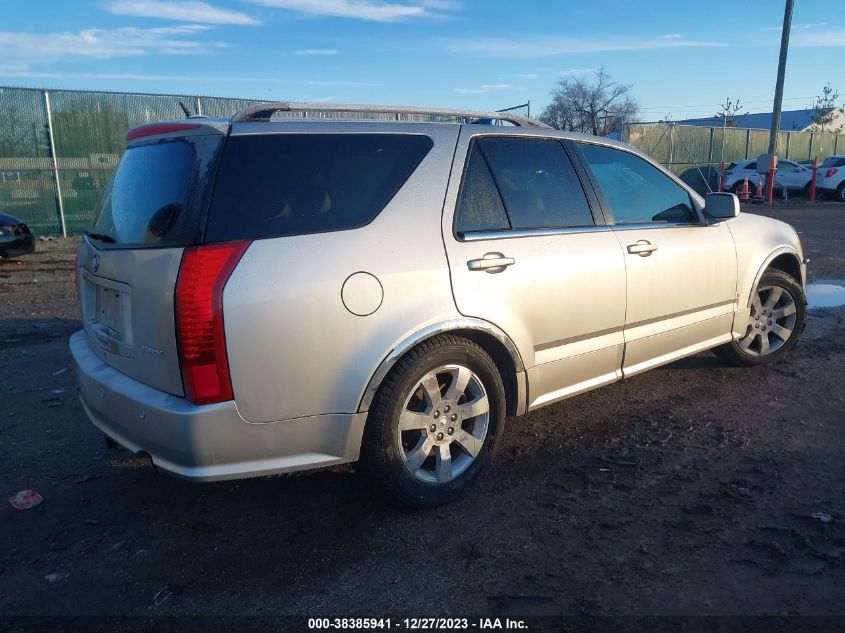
(263,112)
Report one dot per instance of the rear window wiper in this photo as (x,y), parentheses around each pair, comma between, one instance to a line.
(101,237)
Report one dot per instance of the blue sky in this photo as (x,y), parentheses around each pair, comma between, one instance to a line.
(683,57)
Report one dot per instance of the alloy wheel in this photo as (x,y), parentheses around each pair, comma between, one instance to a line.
(443,424)
(771,322)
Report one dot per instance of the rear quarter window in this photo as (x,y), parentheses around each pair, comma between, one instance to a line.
(275,185)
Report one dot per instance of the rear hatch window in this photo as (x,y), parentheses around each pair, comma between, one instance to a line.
(833,161)
(290,184)
(158,194)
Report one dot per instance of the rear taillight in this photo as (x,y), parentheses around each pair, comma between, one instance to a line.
(200,337)
(830,172)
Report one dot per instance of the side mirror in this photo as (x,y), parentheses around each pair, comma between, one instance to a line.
(721,206)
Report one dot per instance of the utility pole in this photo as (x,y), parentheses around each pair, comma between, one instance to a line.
(784,48)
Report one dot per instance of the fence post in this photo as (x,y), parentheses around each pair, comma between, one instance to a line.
(812,138)
(198,104)
(671,145)
(60,209)
(788,141)
(747,141)
(710,148)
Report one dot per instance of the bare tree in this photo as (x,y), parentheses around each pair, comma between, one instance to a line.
(592,104)
(823,113)
(728,113)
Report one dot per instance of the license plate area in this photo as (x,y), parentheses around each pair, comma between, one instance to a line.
(109,312)
(107,309)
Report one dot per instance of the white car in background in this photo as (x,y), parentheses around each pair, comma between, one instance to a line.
(795,177)
(830,178)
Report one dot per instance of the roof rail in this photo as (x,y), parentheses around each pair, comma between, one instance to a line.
(264,111)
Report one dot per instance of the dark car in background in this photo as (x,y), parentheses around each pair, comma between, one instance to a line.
(15,237)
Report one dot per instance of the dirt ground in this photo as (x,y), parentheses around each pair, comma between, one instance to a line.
(691,489)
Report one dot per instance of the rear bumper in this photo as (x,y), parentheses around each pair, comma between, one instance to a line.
(208,442)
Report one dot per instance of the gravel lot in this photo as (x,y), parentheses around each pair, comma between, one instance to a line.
(688,490)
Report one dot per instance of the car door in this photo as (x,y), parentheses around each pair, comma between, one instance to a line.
(791,175)
(681,271)
(529,251)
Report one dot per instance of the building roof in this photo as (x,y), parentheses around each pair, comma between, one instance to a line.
(789,120)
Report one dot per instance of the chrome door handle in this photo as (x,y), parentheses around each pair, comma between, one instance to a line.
(491,263)
(643,248)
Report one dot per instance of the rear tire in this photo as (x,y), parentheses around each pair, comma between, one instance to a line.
(840,192)
(435,422)
(778,315)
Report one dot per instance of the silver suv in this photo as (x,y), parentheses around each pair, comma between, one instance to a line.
(264,295)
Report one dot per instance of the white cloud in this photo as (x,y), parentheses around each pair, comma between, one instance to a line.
(529,47)
(815,39)
(370,10)
(803,26)
(485,88)
(26,73)
(316,51)
(183,11)
(572,72)
(527,76)
(103,43)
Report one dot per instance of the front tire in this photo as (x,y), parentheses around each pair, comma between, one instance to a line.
(435,422)
(778,314)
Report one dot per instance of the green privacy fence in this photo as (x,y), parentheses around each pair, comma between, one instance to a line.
(695,153)
(58,148)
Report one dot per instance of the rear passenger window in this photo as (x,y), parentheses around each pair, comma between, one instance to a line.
(480,207)
(537,182)
(636,191)
(273,185)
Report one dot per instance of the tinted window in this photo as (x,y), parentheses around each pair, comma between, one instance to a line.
(288,184)
(636,191)
(787,167)
(833,161)
(752,166)
(538,183)
(480,207)
(158,194)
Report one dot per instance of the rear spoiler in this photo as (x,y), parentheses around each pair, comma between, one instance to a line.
(182,127)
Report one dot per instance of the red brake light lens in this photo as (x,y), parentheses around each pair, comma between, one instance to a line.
(200,336)
(158,128)
(830,172)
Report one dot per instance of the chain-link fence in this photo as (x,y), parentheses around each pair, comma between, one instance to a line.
(695,153)
(58,148)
